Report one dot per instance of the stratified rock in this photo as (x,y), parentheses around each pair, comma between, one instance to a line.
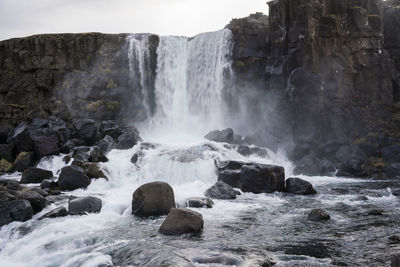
(35,175)
(153,199)
(298,186)
(16,210)
(221,190)
(182,221)
(318,215)
(73,177)
(129,138)
(86,130)
(57,212)
(199,202)
(23,161)
(84,205)
(37,201)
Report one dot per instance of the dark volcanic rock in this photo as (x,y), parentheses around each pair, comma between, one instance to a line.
(110,128)
(318,215)
(73,177)
(153,199)
(221,190)
(86,130)
(106,144)
(298,186)
(393,170)
(57,212)
(199,202)
(35,175)
(92,170)
(4,132)
(252,177)
(225,136)
(129,138)
(17,210)
(21,138)
(81,153)
(45,142)
(71,144)
(182,221)
(7,152)
(37,201)
(23,161)
(83,205)
(96,155)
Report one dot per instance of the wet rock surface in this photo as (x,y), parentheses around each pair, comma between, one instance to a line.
(182,221)
(153,199)
(299,187)
(84,205)
(221,190)
(73,177)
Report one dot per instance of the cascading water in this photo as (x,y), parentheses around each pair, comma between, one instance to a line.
(191,77)
(139,66)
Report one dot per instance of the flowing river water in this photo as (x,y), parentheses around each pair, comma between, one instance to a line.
(253,230)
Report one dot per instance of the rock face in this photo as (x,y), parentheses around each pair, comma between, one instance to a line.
(70,76)
(182,221)
(252,177)
(153,199)
(83,205)
(73,177)
(298,186)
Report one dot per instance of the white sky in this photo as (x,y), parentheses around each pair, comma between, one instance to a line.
(165,17)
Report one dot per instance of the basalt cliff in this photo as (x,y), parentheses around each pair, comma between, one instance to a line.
(326,74)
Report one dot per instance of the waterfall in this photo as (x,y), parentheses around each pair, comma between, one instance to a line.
(139,66)
(190,79)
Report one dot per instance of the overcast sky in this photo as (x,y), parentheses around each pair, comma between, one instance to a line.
(166,17)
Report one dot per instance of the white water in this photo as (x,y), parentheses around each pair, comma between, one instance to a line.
(189,90)
(189,87)
(138,56)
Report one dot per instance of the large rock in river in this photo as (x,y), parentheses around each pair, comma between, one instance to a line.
(252,177)
(298,186)
(153,199)
(83,205)
(73,177)
(182,221)
(16,210)
(221,190)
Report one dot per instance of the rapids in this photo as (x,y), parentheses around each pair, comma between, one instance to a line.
(253,229)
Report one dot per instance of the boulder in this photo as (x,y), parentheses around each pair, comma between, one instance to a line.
(71,144)
(106,144)
(35,175)
(73,177)
(38,202)
(81,153)
(252,177)
(318,215)
(84,205)
(182,221)
(57,212)
(12,185)
(96,155)
(221,190)
(45,142)
(86,130)
(21,138)
(110,128)
(199,202)
(16,210)
(153,199)
(298,186)
(7,152)
(129,138)
(225,136)
(92,170)
(23,161)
